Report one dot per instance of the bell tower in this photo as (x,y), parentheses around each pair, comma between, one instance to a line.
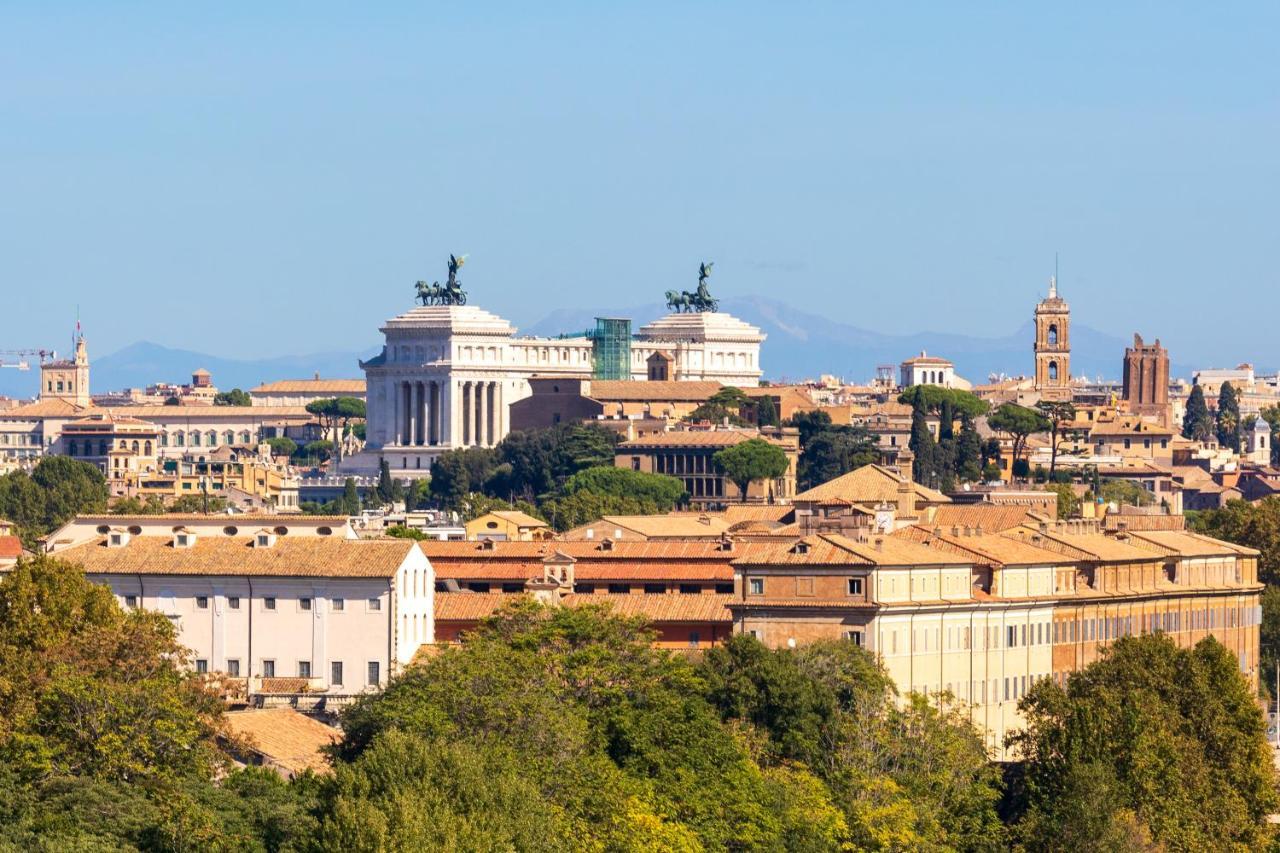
(67,379)
(1053,346)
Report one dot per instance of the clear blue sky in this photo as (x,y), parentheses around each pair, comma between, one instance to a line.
(260,179)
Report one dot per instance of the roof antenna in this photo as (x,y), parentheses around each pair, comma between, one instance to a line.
(1053,282)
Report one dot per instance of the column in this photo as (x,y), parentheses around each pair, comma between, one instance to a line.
(393,416)
(403,427)
(411,416)
(426,412)
(482,413)
(433,417)
(420,414)
(465,406)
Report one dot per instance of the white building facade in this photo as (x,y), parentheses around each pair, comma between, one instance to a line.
(448,374)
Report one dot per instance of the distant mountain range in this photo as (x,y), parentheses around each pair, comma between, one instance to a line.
(803,345)
(799,345)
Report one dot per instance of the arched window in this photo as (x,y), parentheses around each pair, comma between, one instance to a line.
(1053,334)
(135,447)
(1053,371)
(148,448)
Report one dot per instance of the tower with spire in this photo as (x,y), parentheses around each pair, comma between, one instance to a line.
(68,379)
(1053,345)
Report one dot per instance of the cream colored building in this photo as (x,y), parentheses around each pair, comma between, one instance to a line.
(267,597)
(300,392)
(447,375)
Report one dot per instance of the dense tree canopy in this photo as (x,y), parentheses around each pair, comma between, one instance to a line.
(234,397)
(1019,423)
(56,490)
(1227,420)
(664,491)
(934,397)
(751,460)
(1152,740)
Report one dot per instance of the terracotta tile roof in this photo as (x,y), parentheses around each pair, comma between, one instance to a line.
(640,391)
(1143,521)
(10,547)
(43,409)
(666,607)
(988,549)
(518,518)
(990,517)
(311,386)
(285,685)
(288,739)
(1184,544)
(310,556)
(758,512)
(1094,547)
(829,549)
(1128,426)
(175,413)
(870,484)
(695,438)
(673,560)
(246,519)
(669,526)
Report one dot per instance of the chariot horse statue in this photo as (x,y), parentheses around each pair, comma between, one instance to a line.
(699,301)
(451,293)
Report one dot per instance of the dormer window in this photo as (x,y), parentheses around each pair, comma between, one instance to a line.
(117,538)
(184,539)
(801,548)
(264,539)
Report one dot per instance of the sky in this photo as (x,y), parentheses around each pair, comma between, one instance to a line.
(259,179)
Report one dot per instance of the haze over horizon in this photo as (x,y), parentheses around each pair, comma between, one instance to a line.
(269,181)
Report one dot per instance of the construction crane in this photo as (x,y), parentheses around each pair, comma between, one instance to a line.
(17,358)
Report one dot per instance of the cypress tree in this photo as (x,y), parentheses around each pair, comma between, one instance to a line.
(1228,418)
(1197,424)
(922,445)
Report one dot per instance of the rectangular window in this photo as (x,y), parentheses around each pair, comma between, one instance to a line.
(1013,636)
(375,604)
(268,669)
(724,589)
(855,636)
(233,601)
(338,604)
(756,586)
(513,587)
(304,669)
(690,589)
(335,672)
(233,667)
(694,639)
(655,588)
(269,602)
(304,603)
(855,586)
(619,588)
(374,674)
(202,602)
(478,586)
(131,601)
(202,666)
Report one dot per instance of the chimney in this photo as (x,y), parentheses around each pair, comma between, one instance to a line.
(726,543)
(955,530)
(977,531)
(878,542)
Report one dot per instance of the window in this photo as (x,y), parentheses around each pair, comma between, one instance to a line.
(690,589)
(855,586)
(724,589)
(619,588)
(202,666)
(202,602)
(374,674)
(304,604)
(304,669)
(756,586)
(855,636)
(478,586)
(131,601)
(233,667)
(375,604)
(655,588)
(269,602)
(338,604)
(233,601)
(268,669)
(694,639)
(335,672)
